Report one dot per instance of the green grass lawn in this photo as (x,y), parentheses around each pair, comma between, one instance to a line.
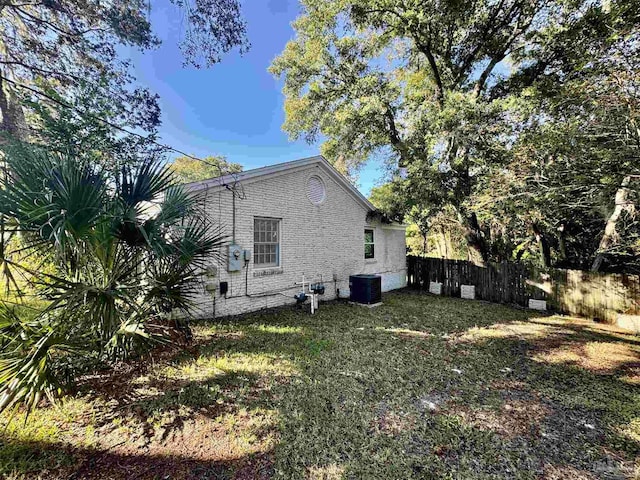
(420,387)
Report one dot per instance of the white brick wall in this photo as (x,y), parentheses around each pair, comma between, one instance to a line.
(318,241)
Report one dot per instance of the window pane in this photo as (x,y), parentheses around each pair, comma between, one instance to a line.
(266,242)
(368,250)
(368,236)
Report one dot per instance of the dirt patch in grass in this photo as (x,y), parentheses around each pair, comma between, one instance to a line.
(513,418)
(392,423)
(329,472)
(555,472)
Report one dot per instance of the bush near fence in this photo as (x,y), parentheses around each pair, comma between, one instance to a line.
(590,294)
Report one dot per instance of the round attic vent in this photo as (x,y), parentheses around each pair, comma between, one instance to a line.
(316,191)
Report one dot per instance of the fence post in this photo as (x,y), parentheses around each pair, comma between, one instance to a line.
(410,266)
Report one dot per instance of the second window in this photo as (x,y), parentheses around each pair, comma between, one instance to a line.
(369,247)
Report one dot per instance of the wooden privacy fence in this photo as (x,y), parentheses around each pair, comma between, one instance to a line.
(575,292)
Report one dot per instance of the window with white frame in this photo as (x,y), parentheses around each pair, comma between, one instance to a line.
(369,248)
(266,242)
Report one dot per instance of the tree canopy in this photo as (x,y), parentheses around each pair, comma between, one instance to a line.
(483,104)
(73,48)
(188,169)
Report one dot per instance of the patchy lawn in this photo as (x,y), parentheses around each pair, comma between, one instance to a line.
(421,387)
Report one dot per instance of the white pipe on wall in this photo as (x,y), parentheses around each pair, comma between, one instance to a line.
(313,296)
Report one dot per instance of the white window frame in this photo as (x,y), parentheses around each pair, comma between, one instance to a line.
(259,243)
(372,243)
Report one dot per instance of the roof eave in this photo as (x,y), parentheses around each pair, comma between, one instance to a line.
(231,179)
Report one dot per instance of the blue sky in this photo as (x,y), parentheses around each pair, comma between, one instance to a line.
(234,108)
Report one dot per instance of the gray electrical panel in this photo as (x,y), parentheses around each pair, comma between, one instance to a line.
(236,258)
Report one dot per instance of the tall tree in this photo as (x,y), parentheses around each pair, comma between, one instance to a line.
(72,46)
(89,126)
(571,184)
(430,230)
(427,84)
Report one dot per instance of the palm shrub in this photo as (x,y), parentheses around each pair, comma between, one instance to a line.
(123,250)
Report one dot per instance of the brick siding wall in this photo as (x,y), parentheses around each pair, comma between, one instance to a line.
(320,242)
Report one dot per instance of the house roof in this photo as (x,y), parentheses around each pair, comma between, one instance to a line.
(257,173)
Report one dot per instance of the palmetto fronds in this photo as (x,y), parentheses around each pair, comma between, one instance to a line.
(124,249)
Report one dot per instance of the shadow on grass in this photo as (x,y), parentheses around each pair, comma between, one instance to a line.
(349,390)
(85,463)
(216,396)
(218,380)
(484,407)
(564,405)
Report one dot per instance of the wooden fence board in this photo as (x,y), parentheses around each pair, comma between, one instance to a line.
(589,294)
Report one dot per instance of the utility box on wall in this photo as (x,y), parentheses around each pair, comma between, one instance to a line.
(236,258)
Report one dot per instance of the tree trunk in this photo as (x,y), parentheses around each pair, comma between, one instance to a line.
(562,243)
(610,236)
(476,244)
(543,243)
(478,252)
(12,121)
(448,250)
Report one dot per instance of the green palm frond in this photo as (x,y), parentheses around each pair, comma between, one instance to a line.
(139,190)
(179,203)
(55,199)
(144,182)
(200,241)
(122,250)
(28,365)
(133,336)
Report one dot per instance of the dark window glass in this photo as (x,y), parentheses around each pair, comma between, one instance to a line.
(369,248)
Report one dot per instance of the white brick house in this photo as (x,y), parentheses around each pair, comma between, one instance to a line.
(293,219)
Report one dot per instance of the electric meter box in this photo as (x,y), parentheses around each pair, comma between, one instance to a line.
(236,258)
